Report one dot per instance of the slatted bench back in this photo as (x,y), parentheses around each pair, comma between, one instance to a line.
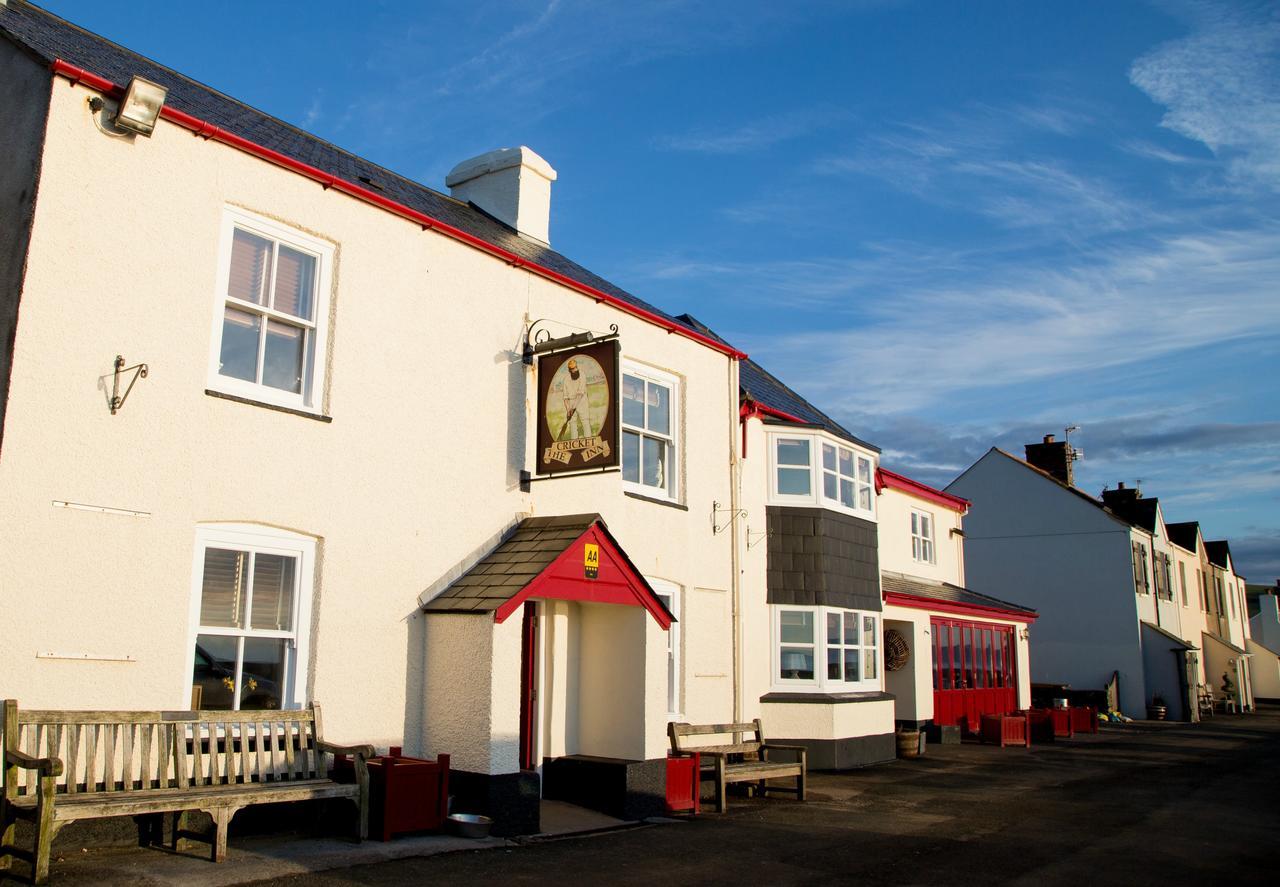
(124,751)
(680,732)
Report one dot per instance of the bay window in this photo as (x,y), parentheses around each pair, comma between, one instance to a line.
(650,411)
(271,312)
(250,606)
(814,469)
(826,649)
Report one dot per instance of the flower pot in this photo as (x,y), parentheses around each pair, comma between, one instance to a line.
(1157,712)
(908,743)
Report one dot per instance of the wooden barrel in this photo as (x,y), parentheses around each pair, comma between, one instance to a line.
(908,743)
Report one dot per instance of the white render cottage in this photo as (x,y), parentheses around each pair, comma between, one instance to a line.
(331,434)
(271,434)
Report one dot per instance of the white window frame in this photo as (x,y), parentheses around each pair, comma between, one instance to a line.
(672,598)
(314,358)
(675,457)
(820,682)
(817,494)
(774,465)
(919,539)
(264,540)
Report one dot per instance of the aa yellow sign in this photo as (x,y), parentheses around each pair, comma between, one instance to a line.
(591,560)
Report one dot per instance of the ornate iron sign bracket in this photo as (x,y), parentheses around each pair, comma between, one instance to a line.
(117,399)
(538,340)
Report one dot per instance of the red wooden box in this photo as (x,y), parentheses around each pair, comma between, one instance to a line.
(405,794)
(1084,719)
(684,783)
(1005,729)
(1050,723)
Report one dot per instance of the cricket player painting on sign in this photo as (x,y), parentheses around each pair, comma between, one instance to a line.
(576,411)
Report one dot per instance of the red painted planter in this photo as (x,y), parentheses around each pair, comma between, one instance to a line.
(684,783)
(1084,719)
(1003,730)
(405,794)
(1050,723)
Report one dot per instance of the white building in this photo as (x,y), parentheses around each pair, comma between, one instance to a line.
(1110,584)
(968,653)
(329,446)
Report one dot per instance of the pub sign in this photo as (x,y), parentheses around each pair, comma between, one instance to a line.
(577,409)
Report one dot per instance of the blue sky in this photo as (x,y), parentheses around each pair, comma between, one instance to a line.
(952,226)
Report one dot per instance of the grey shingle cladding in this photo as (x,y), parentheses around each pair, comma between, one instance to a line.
(517,561)
(944,592)
(819,557)
(48,38)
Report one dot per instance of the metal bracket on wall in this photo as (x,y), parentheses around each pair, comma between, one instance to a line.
(759,537)
(117,399)
(538,340)
(716,510)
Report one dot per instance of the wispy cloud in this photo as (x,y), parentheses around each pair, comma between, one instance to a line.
(755,135)
(1110,308)
(1221,85)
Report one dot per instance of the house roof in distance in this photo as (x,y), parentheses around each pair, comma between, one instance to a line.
(1140,512)
(1219,552)
(53,40)
(1075,491)
(1184,534)
(758,385)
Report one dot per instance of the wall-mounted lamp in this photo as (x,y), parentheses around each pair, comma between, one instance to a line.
(140,106)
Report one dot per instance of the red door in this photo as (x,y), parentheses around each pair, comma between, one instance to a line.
(973,671)
(528,685)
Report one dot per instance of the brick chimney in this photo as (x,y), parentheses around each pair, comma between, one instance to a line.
(511,184)
(1121,496)
(1054,457)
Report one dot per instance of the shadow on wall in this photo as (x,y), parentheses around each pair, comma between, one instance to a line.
(415,670)
(517,404)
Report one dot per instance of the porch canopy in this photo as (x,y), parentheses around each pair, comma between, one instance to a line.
(565,557)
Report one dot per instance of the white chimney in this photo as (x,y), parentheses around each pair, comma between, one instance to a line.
(511,184)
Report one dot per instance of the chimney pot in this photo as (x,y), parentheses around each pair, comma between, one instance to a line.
(1120,486)
(1048,438)
(511,184)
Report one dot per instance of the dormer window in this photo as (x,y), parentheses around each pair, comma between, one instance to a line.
(815,469)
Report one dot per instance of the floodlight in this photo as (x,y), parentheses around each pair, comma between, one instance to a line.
(140,106)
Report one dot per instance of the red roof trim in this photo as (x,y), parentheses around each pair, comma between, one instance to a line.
(565,579)
(887,478)
(209,131)
(753,408)
(913,602)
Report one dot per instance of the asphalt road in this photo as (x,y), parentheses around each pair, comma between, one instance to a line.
(1139,805)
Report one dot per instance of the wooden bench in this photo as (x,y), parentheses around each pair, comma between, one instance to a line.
(743,761)
(60,766)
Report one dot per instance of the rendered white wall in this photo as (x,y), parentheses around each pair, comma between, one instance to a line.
(894,509)
(457,691)
(431,413)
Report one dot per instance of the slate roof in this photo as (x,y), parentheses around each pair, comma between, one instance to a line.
(48,37)
(1139,512)
(1218,552)
(758,384)
(517,561)
(945,592)
(1183,534)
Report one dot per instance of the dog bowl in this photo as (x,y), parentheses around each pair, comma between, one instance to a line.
(471,825)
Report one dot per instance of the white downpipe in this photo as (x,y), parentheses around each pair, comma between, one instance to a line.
(735,583)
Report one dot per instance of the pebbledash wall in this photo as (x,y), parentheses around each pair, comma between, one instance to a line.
(410,469)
